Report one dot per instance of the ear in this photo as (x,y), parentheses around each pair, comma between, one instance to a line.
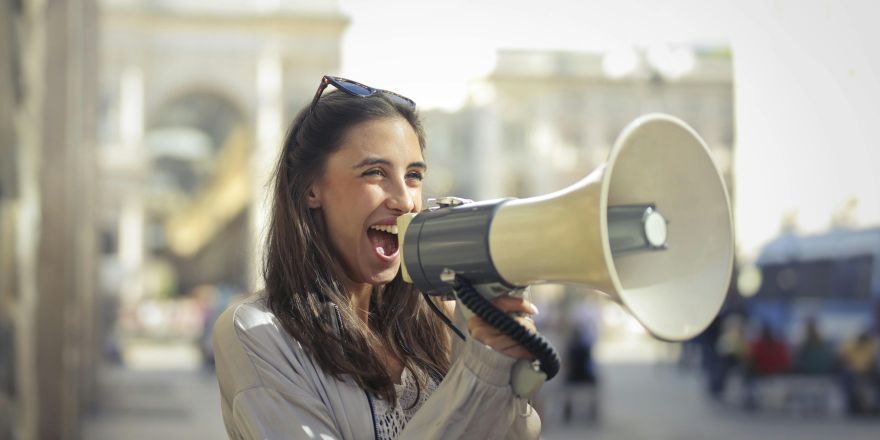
(314,198)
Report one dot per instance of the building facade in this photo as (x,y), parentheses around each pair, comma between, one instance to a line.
(545,119)
(194,102)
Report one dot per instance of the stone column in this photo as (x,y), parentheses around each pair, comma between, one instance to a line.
(131,216)
(9,88)
(269,137)
(55,249)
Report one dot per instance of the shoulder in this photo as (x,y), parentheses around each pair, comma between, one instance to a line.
(268,381)
(246,318)
(252,349)
(251,325)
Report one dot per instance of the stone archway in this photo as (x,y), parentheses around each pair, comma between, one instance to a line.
(198,145)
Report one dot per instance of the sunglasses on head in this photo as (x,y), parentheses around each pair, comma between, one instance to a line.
(355,88)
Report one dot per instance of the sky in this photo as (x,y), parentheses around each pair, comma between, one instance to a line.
(806,72)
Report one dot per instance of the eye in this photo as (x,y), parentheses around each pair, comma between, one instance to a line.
(415,175)
(374,172)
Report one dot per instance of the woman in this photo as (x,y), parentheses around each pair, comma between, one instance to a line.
(337,345)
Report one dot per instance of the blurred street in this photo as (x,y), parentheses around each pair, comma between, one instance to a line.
(147,405)
(661,402)
(640,400)
(173,400)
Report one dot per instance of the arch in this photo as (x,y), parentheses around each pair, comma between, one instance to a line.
(203,110)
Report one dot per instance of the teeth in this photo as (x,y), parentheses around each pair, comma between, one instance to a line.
(380,250)
(391,229)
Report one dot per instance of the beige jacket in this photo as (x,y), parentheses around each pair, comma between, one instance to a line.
(271,389)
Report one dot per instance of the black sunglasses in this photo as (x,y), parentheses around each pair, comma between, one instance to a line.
(357,89)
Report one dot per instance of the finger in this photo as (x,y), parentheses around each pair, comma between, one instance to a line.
(493,338)
(510,348)
(527,322)
(480,333)
(500,342)
(475,322)
(519,352)
(486,334)
(504,345)
(513,304)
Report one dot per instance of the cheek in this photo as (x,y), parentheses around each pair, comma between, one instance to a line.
(348,214)
(344,224)
(416,195)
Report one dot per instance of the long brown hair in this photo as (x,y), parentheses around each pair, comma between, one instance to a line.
(302,274)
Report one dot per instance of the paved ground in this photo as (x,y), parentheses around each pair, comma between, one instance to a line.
(638,401)
(661,402)
(157,405)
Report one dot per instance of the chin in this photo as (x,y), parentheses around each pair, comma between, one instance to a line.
(385,276)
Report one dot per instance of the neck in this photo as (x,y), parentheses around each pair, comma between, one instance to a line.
(359,293)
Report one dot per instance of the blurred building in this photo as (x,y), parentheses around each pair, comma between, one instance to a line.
(543,119)
(194,101)
(832,278)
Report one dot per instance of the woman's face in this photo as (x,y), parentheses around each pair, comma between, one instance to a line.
(374,177)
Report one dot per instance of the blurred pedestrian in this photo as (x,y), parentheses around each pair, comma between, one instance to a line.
(732,351)
(580,371)
(814,355)
(768,356)
(858,358)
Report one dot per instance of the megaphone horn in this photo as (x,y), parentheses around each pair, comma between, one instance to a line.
(651,228)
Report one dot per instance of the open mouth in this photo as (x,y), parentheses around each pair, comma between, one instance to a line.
(383,239)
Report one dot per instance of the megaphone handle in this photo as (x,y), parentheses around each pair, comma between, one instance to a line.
(525,378)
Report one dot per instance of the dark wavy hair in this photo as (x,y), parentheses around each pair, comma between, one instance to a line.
(303,276)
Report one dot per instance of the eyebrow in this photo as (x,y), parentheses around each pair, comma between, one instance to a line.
(380,161)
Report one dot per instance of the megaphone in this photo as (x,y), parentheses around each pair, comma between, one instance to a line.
(651,228)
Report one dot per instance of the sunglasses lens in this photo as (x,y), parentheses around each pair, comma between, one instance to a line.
(398,99)
(357,89)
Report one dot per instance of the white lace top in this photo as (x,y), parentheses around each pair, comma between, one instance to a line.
(390,419)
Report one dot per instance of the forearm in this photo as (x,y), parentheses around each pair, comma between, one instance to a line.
(475,401)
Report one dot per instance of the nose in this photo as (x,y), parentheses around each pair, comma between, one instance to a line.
(401,197)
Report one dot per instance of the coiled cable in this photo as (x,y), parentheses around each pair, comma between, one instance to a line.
(533,342)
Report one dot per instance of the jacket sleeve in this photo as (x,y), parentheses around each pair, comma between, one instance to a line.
(263,393)
(475,400)
(267,413)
